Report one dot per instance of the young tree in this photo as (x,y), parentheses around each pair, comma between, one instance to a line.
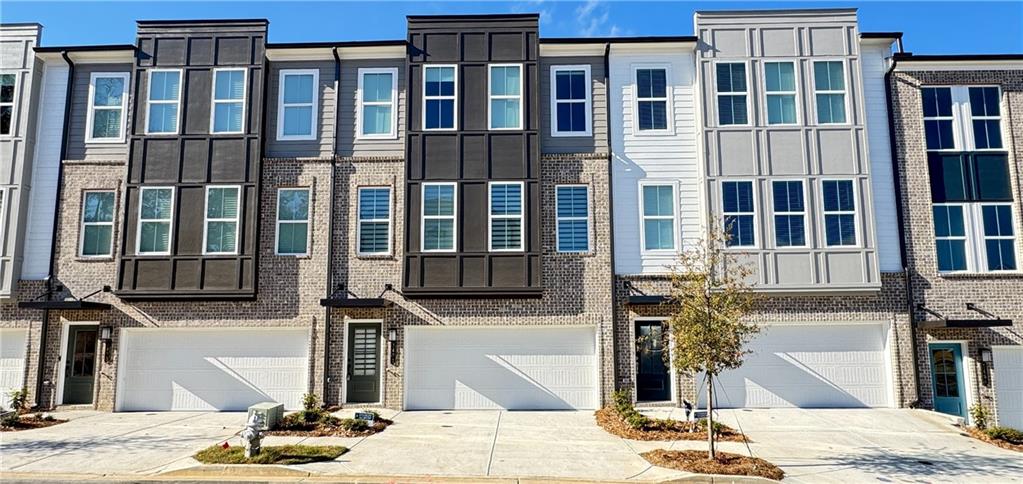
(710,299)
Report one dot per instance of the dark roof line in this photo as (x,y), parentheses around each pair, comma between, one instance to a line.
(205,21)
(618,40)
(20,24)
(484,16)
(957,57)
(880,35)
(86,48)
(346,43)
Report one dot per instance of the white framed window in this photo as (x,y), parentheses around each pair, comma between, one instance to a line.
(297,104)
(739,208)
(439,227)
(840,219)
(163,101)
(227,112)
(940,127)
(829,84)
(155,228)
(506,222)
(378,101)
(732,93)
(572,206)
(107,108)
(986,117)
(789,213)
(292,221)
(571,103)
(657,216)
(780,92)
(962,118)
(374,215)
(505,107)
(950,230)
(975,237)
(222,214)
(652,108)
(97,230)
(8,86)
(440,97)
(998,236)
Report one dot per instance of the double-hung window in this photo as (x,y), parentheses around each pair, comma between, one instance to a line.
(378,98)
(440,102)
(108,100)
(829,89)
(733,108)
(950,236)
(7,90)
(293,221)
(374,230)
(789,213)
(506,220)
(221,224)
(97,224)
(652,99)
(163,101)
(739,213)
(296,104)
(156,212)
(987,118)
(780,86)
(570,100)
(228,111)
(658,216)
(438,221)
(573,218)
(999,237)
(938,119)
(839,212)
(506,96)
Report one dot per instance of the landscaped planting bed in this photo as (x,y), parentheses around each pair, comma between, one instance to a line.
(279,454)
(314,421)
(724,463)
(623,420)
(29,422)
(1004,437)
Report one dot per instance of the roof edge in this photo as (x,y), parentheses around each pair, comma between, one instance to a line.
(86,48)
(909,57)
(481,16)
(880,35)
(329,44)
(618,40)
(205,21)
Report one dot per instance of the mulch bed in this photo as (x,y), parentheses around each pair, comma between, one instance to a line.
(724,463)
(29,422)
(660,429)
(319,429)
(980,435)
(281,454)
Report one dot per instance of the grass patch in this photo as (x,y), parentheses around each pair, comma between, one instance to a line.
(622,419)
(1004,437)
(724,463)
(278,454)
(29,422)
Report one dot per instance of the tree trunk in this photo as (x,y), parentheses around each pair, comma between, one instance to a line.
(710,416)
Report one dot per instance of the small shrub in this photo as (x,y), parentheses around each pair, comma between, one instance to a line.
(718,426)
(374,413)
(353,424)
(49,418)
(310,402)
(979,415)
(1006,434)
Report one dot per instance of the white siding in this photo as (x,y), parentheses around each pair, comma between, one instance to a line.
(671,158)
(879,149)
(50,131)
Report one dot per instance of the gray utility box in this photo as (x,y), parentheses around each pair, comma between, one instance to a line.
(272,413)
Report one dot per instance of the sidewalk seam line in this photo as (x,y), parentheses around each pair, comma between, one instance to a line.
(493,445)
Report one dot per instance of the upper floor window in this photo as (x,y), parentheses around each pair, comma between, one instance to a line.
(293,221)
(987,117)
(839,212)
(7,82)
(156,211)
(739,213)
(829,89)
(228,101)
(732,93)
(506,96)
(658,216)
(974,127)
(789,213)
(938,119)
(163,102)
(97,224)
(438,221)
(780,86)
(506,220)
(439,99)
(296,104)
(108,100)
(573,218)
(378,98)
(570,101)
(651,99)
(222,214)
(374,230)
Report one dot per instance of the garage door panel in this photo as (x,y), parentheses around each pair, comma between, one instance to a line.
(1008,363)
(12,361)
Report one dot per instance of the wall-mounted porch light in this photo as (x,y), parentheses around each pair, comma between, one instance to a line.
(985,355)
(106,333)
(392,337)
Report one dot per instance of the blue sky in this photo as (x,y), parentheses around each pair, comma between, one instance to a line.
(930,27)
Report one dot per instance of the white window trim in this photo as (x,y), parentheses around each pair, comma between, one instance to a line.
(214,101)
(393,104)
(558,218)
(491,217)
(673,217)
(84,224)
(966,238)
(969,118)
(359,220)
(491,97)
(718,94)
(855,212)
(13,104)
(176,102)
(957,131)
(669,126)
(169,221)
(236,219)
(453,217)
(279,222)
(806,226)
(587,102)
(981,238)
(314,105)
(92,108)
(453,97)
(757,236)
(794,93)
(847,80)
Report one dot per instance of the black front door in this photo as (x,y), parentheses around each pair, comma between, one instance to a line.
(363,363)
(652,380)
(80,364)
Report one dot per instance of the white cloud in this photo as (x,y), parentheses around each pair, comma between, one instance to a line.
(592,20)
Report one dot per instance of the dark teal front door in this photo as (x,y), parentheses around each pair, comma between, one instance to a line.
(80,364)
(363,363)
(652,376)
(947,378)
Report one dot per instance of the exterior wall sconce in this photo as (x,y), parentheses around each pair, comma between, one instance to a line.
(985,355)
(106,333)
(392,338)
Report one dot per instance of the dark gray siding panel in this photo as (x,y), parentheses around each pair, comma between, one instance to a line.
(321,146)
(77,148)
(348,145)
(595,143)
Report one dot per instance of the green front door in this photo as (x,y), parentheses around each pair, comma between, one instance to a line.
(80,364)
(947,378)
(363,363)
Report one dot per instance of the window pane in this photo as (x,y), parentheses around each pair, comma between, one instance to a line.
(504,81)
(830,108)
(789,230)
(504,113)
(227,117)
(987,134)
(951,255)
(505,234)
(165,86)
(374,203)
(96,239)
(293,205)
(948,221)
(163,118)
(109,91)
(984,101)
(373,237)
(230,85)
(6,88)
(653,115)
(781,109)
(154,237)
(292,238)
(440,113)
(657,200)
(440,81)
(937,101)
(992,173)
(997,220)
(106,123)
(838,196)
(829,76)
(376,119)
(439,200)
(571,117)
(840,229)
(438,234)
(572,202)
(731,77)
(298,121)
(156,204)
(298,88)
(732,110)
(505,199)
(5,119)
(220,236)
(570,85)
(788,196)
(780,76)
(659,234)
(1001,255)
(376,87)
(98,207)
(939,134)
(740,230)
(222,203)
(737,196)
(572,236)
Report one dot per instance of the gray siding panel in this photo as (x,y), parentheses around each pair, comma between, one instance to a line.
(319,147)
(597,143)
(348,145)
(77,148)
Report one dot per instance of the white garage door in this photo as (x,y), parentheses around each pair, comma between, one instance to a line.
(211,369)
(1009,385)
(512,368)
(12,362)
(811,367)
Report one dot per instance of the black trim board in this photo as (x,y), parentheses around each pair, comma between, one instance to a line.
(351,302)
(644,300)
(87,48)
(964,323)
(64,305)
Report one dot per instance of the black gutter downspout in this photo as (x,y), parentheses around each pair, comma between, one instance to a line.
(330,224)
(40,371)
(611,208)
